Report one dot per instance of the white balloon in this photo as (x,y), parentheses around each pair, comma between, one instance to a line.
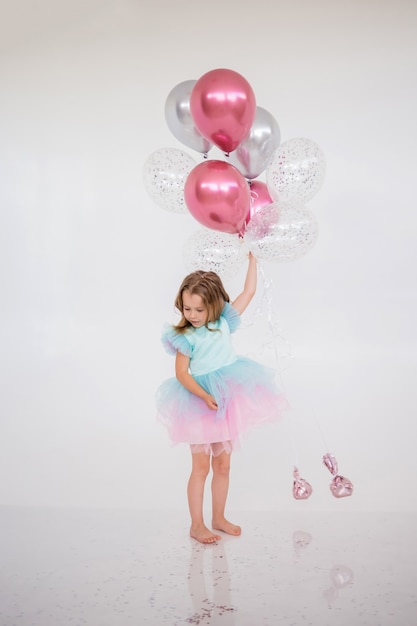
(296,171)
(164,174)
(281,233)
(214,251)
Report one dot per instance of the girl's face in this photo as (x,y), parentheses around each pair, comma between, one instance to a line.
(194,310)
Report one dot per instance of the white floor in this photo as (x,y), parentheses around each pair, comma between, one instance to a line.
(62,567)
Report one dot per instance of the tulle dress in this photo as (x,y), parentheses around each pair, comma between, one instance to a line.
(245,390)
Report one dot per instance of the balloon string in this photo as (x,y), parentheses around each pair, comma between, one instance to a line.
(320,430)
(274,330)
(276,334)
(292,441)
(279,343)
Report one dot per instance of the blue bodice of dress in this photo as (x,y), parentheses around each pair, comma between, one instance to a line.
(208,348)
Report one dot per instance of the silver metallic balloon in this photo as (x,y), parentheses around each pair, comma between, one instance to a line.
(179,119)
(253,154)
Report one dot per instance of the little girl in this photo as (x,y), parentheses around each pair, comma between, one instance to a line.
(216,395)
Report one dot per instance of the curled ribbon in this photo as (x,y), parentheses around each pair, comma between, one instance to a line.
(301,489)
(340,485)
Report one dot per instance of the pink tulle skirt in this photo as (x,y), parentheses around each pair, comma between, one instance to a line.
(246,395)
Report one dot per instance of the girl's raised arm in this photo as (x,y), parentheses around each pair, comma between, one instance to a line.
(249,288)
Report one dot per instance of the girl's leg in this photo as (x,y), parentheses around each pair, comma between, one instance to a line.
(195,492)
(219,491)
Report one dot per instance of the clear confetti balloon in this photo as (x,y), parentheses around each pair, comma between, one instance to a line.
(296,171)
(164,174)
(214,251)
(281,233)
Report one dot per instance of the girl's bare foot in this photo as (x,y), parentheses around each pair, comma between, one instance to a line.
(226,527)
(203,534)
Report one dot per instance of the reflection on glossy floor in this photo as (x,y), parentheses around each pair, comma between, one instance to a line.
(128,568)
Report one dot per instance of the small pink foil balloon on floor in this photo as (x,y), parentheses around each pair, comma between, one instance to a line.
(340,486)
(301,488)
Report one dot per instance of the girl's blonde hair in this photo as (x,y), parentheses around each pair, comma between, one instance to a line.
(209,287)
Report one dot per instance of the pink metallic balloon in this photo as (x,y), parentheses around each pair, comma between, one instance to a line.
(218,196)
(301,489)
(296,171)
(259,197)
(340,486)
(223,106)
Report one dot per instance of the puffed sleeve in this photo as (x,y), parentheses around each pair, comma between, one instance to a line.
(175,342)
(231,316)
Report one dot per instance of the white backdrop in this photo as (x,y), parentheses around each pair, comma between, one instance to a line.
(90,266)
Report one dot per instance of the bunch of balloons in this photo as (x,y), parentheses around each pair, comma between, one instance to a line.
(225,195)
